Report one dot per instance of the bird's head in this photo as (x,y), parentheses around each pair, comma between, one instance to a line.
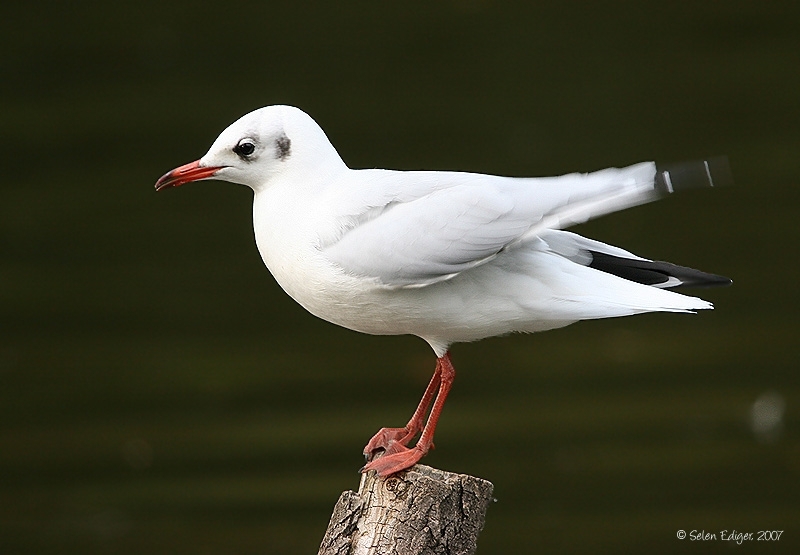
(257,148)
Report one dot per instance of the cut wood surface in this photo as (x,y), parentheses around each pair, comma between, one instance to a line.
(420,511)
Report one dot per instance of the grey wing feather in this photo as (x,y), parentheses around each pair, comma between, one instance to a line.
(458,221)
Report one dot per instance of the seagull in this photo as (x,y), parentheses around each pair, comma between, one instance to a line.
(446,256)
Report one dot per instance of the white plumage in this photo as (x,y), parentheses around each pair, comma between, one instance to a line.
(446,256)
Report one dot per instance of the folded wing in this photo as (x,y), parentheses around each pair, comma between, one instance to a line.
(436,225)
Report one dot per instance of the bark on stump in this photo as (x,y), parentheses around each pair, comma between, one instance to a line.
(422,511)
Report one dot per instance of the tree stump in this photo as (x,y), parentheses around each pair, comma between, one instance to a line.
(421,511)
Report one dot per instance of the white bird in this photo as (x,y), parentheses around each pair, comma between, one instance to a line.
(446,256)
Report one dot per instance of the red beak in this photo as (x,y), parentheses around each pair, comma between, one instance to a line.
(186,173)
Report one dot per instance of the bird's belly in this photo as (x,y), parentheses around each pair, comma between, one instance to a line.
(465,308)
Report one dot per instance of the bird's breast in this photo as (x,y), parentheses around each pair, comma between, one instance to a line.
(288,238)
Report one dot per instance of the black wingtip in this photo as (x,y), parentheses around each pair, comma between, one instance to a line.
(707,280)
(655,272)
(711,172)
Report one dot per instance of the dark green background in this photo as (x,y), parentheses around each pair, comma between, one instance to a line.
(160,394)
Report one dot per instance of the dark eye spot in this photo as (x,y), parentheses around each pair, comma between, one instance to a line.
(284,147)
(244,148)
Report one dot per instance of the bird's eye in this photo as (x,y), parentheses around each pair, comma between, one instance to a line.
(244,148)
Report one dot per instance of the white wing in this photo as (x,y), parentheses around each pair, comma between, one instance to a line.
(434,225)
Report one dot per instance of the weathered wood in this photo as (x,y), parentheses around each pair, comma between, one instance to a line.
(422,511)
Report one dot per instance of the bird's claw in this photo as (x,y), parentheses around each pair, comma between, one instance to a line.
(385,438)
(401,458)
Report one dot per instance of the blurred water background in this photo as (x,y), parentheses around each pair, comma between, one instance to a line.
(160,394)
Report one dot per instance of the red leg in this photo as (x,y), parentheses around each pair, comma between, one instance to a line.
(390,436)
(397,456)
